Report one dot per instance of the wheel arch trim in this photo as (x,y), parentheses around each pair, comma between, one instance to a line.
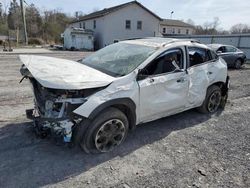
(128,103)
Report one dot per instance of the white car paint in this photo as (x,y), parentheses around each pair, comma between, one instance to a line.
(164,96)
(64,74)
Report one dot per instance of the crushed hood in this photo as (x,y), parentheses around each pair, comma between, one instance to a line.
(64,74)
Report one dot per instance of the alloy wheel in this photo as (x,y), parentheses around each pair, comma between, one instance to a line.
(214,101)
(110,135)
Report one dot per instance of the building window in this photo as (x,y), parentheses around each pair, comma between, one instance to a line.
(94,24)
(187,31)
(83,25)
(139,25)
(128,24)
(173,31)
(179,31)
(164,30)
(80,25)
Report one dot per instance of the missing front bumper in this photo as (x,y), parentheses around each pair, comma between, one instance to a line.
(61,127)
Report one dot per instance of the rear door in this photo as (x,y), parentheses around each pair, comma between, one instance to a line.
(199,76)
(165,88)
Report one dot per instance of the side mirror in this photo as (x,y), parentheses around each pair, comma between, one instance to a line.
(142,74)
(219,52)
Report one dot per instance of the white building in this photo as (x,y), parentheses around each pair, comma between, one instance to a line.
(78,38)
(129,20)
(175,27)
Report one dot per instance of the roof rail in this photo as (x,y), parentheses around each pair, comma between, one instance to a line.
(181,40)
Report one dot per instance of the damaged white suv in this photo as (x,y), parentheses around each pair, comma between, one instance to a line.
(96,101)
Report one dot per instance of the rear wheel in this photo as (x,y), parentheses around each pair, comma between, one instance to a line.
(107,131)
(212,101)
(237,64)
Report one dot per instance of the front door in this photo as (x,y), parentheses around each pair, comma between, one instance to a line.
(164,90)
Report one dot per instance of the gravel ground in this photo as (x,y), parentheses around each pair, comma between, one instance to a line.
(184,150)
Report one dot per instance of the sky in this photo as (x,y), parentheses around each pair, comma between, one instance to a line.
(230,12)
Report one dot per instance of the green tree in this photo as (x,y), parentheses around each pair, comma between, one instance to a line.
(14,18)
(54,23)
(3,21)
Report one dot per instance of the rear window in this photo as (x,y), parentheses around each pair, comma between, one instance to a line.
(230,49)
(213,55)
(198,56)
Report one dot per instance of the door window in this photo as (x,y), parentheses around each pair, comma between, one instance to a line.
(213,55)
(198,56)
(222,49)
(167,62)
(230,49)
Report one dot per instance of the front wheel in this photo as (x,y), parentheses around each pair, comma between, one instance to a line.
(212,100)
(107,131)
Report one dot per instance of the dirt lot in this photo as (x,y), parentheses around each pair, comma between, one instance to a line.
(185,150)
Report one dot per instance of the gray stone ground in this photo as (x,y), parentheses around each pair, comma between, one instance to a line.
(184,150)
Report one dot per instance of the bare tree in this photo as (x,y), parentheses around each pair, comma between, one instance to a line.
(209,27)
(215,23)
(191,22)
(240,28)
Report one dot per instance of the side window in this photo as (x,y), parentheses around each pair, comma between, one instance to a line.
(164,30)
(222,49)
(168,61)
(128,24)
(198,56)
(139,25)
(213,55)
(230,49)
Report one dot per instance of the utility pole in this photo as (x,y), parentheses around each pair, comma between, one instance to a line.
(24,22)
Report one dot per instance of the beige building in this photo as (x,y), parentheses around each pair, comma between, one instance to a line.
(125,21)
(175,27)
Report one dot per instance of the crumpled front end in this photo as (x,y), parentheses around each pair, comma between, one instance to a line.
(53,108)
(52,113)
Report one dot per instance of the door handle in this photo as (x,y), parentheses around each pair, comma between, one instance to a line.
(209,73)
(151,80)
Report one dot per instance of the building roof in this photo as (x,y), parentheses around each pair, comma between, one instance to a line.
(178,23)
(81,30)
(113,9)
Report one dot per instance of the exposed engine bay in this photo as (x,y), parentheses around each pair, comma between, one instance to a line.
(53,108)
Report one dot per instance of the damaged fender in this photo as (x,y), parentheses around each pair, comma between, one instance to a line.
(125,89)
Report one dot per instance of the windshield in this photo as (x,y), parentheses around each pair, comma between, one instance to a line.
(119,59)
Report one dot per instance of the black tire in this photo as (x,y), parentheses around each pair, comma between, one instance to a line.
(206,106)
(107,131)
(237,64)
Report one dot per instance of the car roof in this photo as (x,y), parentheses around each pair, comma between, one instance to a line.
(217,46)
(162,42)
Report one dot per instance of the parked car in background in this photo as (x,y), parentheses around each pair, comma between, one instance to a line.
(232,55)
(96,101)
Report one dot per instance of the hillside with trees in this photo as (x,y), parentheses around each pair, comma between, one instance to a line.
(42,26)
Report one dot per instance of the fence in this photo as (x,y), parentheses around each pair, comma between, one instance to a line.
(241,41)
